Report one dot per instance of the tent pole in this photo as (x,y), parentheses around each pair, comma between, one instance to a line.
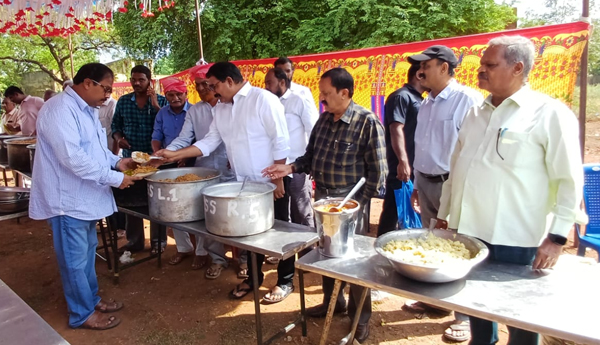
(583,83)
(71,57)
(199,31)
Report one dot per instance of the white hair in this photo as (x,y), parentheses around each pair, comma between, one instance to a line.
(68,82)
(516,49)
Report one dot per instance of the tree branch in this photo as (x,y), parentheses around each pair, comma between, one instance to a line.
(36,63)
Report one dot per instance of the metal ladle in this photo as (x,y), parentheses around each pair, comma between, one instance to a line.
(243,184)
(339,207)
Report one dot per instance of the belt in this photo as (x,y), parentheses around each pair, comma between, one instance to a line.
(435,178)
(334,191)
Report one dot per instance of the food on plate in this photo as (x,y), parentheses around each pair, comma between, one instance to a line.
(428,250)
(24,141)
(142,169)
(140,157)
(187,178)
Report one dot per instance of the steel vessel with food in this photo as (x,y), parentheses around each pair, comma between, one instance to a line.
(175,195)
(432,256)
(18,153)
(230,213)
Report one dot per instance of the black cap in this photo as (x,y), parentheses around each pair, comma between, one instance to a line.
(435,52)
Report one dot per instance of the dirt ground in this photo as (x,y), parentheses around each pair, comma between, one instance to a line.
(177,305)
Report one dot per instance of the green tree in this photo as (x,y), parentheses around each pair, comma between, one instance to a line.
(251,29)
(20,55)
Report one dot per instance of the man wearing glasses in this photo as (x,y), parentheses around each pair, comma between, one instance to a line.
(251,123)
(72,189)
(516,178)
(439,119)
(132,126)
(197,123)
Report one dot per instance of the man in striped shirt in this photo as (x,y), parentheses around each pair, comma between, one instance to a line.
(346,143)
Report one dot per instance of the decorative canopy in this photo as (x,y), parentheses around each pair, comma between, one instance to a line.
(52,18)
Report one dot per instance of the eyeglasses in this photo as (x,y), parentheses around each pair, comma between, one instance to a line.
(212,87)
(107,89)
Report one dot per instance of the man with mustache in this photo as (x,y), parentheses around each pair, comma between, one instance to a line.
(516,177)
(346,143)
(197,124)
(132,126)
(439,120)
(251,123)
(72,189)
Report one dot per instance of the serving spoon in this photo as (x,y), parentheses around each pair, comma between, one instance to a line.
(339,207)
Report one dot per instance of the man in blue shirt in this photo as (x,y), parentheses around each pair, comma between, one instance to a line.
(170,118)
(72,179)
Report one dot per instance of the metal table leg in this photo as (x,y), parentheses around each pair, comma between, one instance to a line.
(105,244)
(256,300)
(302,302)
(115,251)
(350,338)
(336,290)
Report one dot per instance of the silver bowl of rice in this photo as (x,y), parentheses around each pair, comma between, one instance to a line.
(437,257)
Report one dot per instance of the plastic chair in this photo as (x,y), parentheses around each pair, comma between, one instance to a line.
(591,197)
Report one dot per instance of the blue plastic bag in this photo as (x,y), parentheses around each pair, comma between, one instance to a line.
(407,217)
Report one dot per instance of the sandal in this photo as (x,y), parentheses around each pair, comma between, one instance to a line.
(214,271)
(154,249)
(276,297)
(109,307)
(459,332)
(235,293)
(243,272)
(99,322)
(199,261)
(177,258)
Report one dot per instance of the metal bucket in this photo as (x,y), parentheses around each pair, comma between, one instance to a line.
(31,149)
(336,229)
(18,154)
(179,201)
(228,215)
(3,149)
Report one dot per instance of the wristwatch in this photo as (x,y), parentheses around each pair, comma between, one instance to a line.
(557,239)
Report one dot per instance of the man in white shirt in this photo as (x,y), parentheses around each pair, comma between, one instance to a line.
(516,178)
(300,118)
(197,123)
(29,107)
(288,67)
(251,123)
(105,113)
(439,119)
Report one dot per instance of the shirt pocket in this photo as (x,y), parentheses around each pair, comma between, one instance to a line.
(512,148)
(345,153)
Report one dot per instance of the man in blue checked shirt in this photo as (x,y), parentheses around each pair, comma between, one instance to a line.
(132,126)
(72,179)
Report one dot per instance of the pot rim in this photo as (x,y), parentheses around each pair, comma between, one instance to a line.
(10,141)
(151,179)
(208,189)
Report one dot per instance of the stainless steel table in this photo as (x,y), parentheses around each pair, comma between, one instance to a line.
(283,241)
(554,302)
(22,325)
(7,216)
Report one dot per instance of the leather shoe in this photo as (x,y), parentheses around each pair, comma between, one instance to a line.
(362,332)
(321,310)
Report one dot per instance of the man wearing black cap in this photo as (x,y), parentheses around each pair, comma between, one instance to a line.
(440,118)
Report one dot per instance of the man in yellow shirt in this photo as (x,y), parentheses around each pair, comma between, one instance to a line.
(516,176)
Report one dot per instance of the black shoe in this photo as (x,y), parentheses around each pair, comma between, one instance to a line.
(321,310)
(362,332)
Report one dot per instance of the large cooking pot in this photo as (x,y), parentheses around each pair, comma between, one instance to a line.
(3,149)
(228,215)
(179,201)
(31,149)
(18,154)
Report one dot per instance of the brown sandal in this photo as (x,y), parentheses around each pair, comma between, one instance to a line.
(109,307)
(178,258)
(214,271)
(199,261)
(243,272)
(100,322)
